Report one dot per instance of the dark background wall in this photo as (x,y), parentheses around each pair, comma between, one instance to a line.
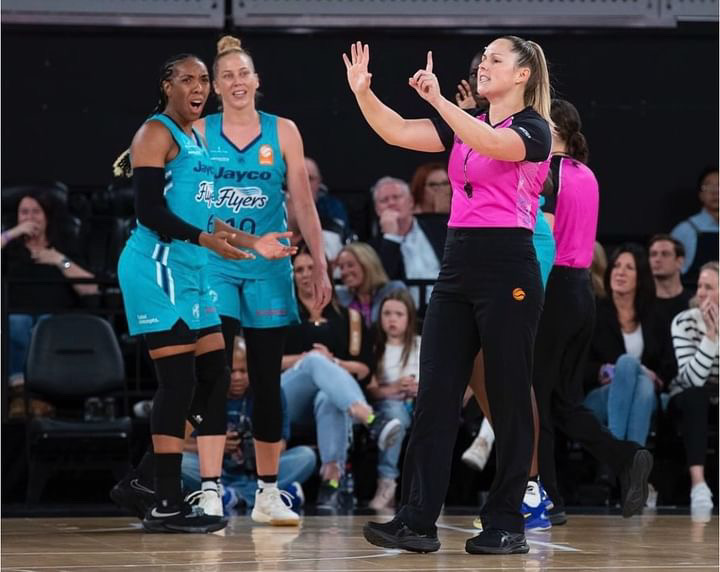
(72,99)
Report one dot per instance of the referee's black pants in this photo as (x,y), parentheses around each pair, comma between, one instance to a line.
(563,342)
(489,295)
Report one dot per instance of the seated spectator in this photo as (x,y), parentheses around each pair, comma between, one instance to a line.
(331,210)
(327,356)
(409,247)
(430,188)
(365,283)
(667,255)
(40,251)
(626,361)
(699,233)
(394,385)
(694,391)
(239,477)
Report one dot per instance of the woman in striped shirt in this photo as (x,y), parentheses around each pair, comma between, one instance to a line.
(695,388)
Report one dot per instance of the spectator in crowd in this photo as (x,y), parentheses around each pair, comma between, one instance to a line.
(430,188)
(239,476)
(626,364)
(41,251)
(667,255)
(332,212)
(699,233)
(365,283)
(694,391)
(327,359)
(597,270)
(394,385)
(328,207)
(409,247)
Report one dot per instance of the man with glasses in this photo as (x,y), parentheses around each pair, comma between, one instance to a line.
(409,247)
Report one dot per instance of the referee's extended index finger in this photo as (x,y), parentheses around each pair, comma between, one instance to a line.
(429,66)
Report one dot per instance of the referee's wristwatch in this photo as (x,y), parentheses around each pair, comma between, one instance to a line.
(65,263)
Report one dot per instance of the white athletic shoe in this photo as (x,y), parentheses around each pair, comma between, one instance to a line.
(208,500)
(476,455)
(272,506)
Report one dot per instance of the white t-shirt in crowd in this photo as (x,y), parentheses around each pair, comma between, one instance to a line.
(392,369)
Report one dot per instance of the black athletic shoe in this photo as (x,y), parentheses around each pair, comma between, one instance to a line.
(496,541)
(329,497)
(396,534)
(384,430)
(557,516)
(634,483)
(133,496)
(182,517)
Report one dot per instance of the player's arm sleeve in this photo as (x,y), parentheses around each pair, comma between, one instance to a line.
(152,210)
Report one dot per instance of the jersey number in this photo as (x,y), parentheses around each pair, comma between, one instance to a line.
(246,224)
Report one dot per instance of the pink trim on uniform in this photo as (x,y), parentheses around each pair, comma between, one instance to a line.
(576,214)
(505,193)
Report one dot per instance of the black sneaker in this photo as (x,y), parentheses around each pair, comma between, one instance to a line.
(634,483)
(396,534)
(557,516)
(384,430)
(329,497)
(496,541)
(182,517)
(133,496)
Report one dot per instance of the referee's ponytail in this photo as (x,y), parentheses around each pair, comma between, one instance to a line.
(567,126)
(537,89)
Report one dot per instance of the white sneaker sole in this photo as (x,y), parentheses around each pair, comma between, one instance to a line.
(263,518)
(389,434)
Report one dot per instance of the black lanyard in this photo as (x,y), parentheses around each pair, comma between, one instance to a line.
(467,187)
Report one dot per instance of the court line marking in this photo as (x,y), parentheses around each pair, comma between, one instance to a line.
(383,554)
(522,567)
(560,547)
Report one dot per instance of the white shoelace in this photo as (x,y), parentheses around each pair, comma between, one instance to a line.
(284,496)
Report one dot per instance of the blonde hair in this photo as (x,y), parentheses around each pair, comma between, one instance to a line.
(537,89)
(230,45)
(374,273)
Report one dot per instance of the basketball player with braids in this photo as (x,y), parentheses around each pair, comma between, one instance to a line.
(167,300)
(254,155)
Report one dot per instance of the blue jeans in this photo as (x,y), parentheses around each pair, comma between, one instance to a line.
(296,464)
(388,459)
(627,403)
(317,387)
(20,326)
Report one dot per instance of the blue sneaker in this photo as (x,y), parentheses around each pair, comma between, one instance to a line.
(545,499)
(295,490)
(230,499)
(533,508)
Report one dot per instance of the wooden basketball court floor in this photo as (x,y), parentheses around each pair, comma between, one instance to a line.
(334,543)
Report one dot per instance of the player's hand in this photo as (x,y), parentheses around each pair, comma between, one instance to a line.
(464,96)
(269,246)
(425,82)
(322,289)
(357,68)
(219,243)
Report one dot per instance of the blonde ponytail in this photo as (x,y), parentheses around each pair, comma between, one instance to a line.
(538,89)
